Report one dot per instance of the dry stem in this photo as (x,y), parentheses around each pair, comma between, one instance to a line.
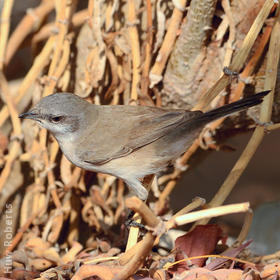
(134,231)
(240,57)
(40,62)
(48,29)
(4,29)
(31,21)
(246,226)
(208,213)
(167,44)
(135,48)
(256,139)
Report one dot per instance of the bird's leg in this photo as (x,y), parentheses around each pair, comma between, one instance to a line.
(134,230)
(132,218)
(148,181)
(137,188)
(132,223)
(262,124)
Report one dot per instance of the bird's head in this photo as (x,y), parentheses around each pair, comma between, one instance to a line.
(60,113)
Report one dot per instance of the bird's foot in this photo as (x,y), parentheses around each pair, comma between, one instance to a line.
(265,125)
(131,223)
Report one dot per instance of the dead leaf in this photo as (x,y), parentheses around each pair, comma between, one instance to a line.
(230,252)
(200,241)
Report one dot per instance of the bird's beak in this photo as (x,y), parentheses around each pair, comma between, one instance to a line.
(29,115)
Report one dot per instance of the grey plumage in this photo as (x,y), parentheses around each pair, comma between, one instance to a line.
(129,142)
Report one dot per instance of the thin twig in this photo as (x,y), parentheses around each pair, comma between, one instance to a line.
(134,231)
(40,62)
(135,48)
(29,23)
(256,139)
(15,147)
(138,258)
(240,57)
(148,50)
(48,29)
(4,29)
(246,226)
(143,210)
(167,44)
(208,213)
(273,126)
(62,23)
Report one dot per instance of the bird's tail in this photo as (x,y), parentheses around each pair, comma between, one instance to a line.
(231,108)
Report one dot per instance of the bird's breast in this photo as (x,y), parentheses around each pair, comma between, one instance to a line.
(67,147)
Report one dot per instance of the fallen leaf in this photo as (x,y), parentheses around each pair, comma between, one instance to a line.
(200,241)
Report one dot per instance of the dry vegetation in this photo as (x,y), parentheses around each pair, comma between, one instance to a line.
(60,222)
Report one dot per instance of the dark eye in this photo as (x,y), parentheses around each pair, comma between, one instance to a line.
(56,119)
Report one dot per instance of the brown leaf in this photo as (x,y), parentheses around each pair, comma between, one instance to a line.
(231,252)
(201,241)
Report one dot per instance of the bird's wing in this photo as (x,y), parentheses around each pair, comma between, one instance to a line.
(124,129)
(129,128)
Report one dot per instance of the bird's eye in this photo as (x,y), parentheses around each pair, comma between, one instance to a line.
(56,119)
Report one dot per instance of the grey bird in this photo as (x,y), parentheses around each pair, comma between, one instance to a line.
(128,142)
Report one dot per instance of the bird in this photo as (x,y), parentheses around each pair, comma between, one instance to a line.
(128,142)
